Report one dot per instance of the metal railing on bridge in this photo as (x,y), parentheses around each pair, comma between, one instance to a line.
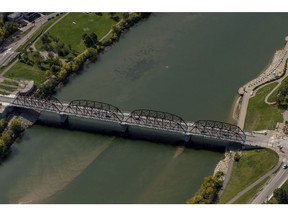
(140,117)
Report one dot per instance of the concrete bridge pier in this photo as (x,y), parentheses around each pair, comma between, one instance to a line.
(124,127)
(187,138)
(64,119)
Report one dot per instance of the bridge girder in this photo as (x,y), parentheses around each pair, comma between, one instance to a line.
(158,119)
(40,104)
(142,117)
(220,130)
(94,109)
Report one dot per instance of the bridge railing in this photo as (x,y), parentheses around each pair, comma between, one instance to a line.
(141,117)
(51,104)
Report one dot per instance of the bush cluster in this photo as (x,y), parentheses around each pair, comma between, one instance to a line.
(9,135)
(208,191)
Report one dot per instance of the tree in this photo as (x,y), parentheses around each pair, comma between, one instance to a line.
(116,29)
(48,73)
(281,195)
(3,124)
(90,40)
(3,147)
(237,157)
(94,38)
(125,15)
(16,126)
(7,137)
(87,40)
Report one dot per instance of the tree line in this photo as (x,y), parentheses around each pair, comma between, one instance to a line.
(7,29)
(93,48)
(8,135)
(208,191)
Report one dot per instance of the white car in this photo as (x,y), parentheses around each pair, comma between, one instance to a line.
(285,166)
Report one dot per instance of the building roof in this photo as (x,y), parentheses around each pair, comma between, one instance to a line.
(14,15)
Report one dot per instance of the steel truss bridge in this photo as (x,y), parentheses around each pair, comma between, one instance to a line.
(141,117)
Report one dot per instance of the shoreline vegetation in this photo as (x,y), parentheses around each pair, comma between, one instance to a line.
(58,73)
(89,55)
(9,133)
(208,192)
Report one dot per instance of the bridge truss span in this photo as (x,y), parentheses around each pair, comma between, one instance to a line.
(141,117)
(51,104)
(94,110)
(157,119)
(219,130)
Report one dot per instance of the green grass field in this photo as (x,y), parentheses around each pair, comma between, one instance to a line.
(285,185)
(38,33)
(7,88)
(261,116)
(252,165)
(251,193)
(272,97)
(13,83)
(23,71)
(71,28)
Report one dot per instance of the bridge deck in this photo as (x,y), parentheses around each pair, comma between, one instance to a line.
(141,118)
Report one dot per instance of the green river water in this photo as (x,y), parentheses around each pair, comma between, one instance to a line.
(187,64)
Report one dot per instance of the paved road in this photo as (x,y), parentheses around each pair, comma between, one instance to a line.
(267,192)
(255,183)
(9,51)
(276,66)
(269,140)
(33,45)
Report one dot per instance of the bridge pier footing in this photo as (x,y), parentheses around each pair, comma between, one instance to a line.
(187,138)
(64,119)
(124,128)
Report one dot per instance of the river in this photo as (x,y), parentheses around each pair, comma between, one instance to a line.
(183,63)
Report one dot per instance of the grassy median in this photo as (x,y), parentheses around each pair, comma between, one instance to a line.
(247,197)
(261,116)
(252,165)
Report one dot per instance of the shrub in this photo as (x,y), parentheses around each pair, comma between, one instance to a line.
(237,157)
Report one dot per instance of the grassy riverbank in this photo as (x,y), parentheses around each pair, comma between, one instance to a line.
(252,165)
(33,66)
(261,116)
(76,24)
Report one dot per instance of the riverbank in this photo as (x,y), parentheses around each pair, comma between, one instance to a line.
(88,56)
(252,106)
(46,89)
(11,132)
(274,71)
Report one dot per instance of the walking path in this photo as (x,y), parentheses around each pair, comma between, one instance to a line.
(227,175)
(275,69)
(268,95)
(110,31)
(33,45)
